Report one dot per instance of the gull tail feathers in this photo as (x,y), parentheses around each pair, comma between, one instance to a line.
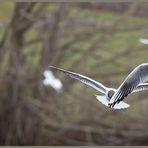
(120,105)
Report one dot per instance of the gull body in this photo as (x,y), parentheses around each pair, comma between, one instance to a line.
(113,97)
(105,99)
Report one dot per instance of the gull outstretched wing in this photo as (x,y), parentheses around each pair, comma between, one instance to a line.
(86,80)
(137,76)
(141,87)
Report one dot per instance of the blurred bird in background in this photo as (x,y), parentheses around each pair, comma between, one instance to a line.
(52,81)
(144,41)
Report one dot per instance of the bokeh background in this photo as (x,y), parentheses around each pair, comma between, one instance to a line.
(100,40)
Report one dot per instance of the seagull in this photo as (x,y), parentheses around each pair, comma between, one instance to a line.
(110,97)
(144,41)
(135,80)
(51,80)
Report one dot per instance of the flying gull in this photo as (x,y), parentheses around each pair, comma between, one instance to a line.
(51,80)
(113,97)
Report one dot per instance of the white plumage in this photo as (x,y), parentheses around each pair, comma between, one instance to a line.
(51,80)
(105,101)
(144,41)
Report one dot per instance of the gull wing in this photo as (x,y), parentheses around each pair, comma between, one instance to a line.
(141,87)
(137,76)
(86,80)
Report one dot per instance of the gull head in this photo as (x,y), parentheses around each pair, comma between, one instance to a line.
(110,92)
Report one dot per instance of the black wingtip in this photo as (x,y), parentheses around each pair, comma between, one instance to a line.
(50,66)
(111,105)
(53,67)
